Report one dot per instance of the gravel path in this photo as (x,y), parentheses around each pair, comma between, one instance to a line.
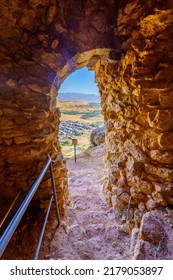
(89,230)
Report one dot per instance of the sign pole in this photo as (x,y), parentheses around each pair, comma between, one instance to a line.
(74,142)
(75,153)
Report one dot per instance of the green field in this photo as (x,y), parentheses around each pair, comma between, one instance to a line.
(91,114)
(71,112)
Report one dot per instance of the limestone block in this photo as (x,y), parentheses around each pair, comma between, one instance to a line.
(35,87)
(165,140)
(165,74)
(158,198)
(23,155)
(150,96)
(20,119)
(170,200)
(151,204)
(135,151)
(98,20)
(161,119)
(12,83)
(2,178)
(22,140)
(130,7)
(157,23)
(136,14)
(51,14)
(145,187)
(60,26)
(166,99)
(35,3)
(136,170)
(125,197)
(122,20)
(166,189)
(162,172)
(165,157)
(130,112)
(44,39)
(6,123)
(54,44)
(8,141)
(52,60)
(28,20)
(141,119)
(136,194)
(130,164)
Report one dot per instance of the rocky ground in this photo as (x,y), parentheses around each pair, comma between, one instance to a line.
(90,229)
(93,230)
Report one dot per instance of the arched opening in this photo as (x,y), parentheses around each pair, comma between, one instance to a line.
(132,60)
(79,103)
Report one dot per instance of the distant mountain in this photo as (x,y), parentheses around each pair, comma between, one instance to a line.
(67,96)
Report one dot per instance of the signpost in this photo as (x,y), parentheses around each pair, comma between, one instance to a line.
(74,142)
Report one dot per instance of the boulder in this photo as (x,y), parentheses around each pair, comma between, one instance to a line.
(97,136)
(155,236)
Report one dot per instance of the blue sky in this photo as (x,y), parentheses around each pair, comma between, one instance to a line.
(80,81)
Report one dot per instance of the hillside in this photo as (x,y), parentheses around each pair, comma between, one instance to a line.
(80,97)
(78,119)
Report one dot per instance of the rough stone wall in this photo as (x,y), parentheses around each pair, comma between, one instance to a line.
(28,126)
(136,94)
(42,42)
(41,39)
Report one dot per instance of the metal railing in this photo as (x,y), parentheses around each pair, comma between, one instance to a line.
(8,233)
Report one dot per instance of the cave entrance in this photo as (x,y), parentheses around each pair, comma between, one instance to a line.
(88,213)
(79,102)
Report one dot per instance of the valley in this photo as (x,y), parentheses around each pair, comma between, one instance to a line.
(78,119)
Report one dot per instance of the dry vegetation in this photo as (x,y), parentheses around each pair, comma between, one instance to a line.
(74,111)
(88,113)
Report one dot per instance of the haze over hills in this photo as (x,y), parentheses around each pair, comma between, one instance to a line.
(80,97)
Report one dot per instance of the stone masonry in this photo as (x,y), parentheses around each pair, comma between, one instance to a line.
(136,94)
(129,45)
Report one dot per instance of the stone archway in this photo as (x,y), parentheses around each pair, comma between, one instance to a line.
(43,44)
(42,40)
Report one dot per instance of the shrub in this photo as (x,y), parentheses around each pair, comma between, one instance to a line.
(65,142)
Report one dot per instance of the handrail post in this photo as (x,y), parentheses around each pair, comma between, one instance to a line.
(43,230)
(54,191)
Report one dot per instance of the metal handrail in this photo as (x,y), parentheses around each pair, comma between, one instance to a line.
(10,208)
(7,235)
(43,229)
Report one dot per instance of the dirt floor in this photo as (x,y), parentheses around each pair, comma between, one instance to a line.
(90,228)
